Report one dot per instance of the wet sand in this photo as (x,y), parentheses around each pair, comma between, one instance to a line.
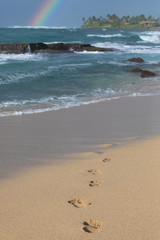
(40,139)
(90,172)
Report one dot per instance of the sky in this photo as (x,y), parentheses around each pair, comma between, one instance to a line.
(69,13)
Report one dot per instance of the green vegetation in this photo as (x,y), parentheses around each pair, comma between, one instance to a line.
(125,22)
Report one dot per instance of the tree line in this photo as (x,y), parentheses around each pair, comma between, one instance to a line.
(112,20)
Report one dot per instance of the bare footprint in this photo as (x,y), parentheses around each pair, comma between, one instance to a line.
(95,171)
(106,160)
(92,226)
(79,203)
(95,183)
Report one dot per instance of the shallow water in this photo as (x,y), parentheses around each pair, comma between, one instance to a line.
(31,83)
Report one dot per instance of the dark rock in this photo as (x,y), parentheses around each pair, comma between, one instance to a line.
(13,48)
(37,46)
(77,47)
(20,48)
(50,48)
(139,60)
(90,48)
(145,74)
(136,70)
(57,46)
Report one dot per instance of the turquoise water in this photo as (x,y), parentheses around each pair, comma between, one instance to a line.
(31,83)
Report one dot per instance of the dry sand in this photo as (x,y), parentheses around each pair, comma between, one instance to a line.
(34,205)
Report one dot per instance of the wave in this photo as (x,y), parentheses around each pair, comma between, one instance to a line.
(4,58)
(142,49)
(19,77)
(39,27)
(40,108)
(105,36)
(19,107)
(55,42)
(45,104)
(13,78)
(151,37)
(89,52)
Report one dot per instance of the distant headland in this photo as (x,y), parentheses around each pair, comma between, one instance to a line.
(125,22)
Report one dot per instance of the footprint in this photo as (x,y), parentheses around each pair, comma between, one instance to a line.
(106,160)
(92,226)
(95,171)
(95,183)
(79,203)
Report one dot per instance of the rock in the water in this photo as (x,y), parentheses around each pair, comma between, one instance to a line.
(20,48)
(139,60)
(37,46)
(50,48)
(136,70)
(14,48)
(78,47)
(145,74)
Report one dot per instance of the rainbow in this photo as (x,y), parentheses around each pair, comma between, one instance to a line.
(46,10)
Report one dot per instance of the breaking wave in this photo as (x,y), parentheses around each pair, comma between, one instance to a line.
(105,36)
(151,37)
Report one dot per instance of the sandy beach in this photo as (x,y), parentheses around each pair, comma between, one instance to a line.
(90,172)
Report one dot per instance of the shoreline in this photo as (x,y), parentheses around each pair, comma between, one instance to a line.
(125,29)
(29,139)
(80,104)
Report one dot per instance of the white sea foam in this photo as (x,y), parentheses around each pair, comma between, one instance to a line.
(13,78)
(56,107)
(17,77)
(118,63)
(89,52)
(151,37)
(15,108)
(39,27)
(105,36)
(41,106)
(129,48)
(19,107)
(54,42)
(4,58)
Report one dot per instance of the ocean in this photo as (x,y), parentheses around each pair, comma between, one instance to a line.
(32,83)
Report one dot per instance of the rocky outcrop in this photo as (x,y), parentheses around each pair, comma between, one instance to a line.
(20,48)
(145,74)
(50,48)
(88,47)
(138,60)
(14,48)
(37,46)
(136,70)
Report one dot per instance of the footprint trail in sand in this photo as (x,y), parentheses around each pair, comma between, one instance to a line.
(90,226)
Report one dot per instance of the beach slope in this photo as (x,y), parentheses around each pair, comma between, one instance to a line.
(37,204)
